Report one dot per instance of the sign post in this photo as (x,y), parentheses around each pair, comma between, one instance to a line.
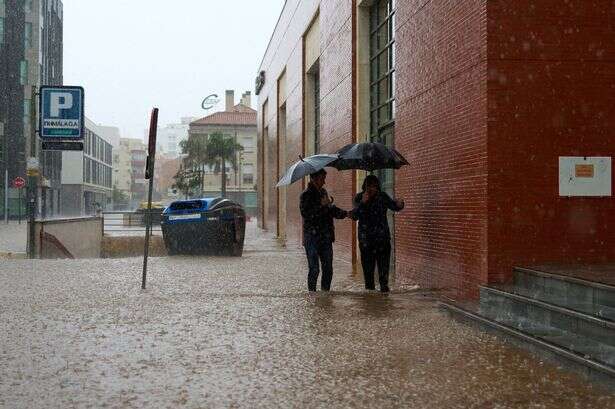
(32,173)
(61,117)
(19,183)
(149,174)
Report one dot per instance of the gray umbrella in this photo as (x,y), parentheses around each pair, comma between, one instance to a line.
(369,156)
(306,166)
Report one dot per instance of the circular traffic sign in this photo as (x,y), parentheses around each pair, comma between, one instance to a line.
(19,182)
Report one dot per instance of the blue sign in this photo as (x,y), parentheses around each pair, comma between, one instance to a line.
(61,113)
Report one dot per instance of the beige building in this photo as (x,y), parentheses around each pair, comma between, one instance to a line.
(129,169)
(238,121)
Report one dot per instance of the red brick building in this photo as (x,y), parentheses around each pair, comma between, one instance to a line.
(482,97)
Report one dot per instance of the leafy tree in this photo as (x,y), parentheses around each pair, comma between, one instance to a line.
(214,151)
(119,196)
(187,183)
(221,149)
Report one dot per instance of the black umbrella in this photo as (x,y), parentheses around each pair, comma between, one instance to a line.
(306,166)
(368,156)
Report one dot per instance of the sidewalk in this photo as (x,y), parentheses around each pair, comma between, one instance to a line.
(13,238)
(243,332)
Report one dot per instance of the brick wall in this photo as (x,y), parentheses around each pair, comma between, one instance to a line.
(284,53)
(441,237)
(551,93)
(489,94)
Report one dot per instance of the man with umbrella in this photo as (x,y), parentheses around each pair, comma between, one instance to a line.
(318,212)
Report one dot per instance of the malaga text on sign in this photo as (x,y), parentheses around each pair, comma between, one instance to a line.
(61,111)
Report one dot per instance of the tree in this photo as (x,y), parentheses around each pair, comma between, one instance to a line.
(221,149)
(195,148)
(119,197)
(186,183)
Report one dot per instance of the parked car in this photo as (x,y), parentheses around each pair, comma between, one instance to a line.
(156,212)
(204,225)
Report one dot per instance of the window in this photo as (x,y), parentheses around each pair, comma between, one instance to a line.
(382,79)
(248,174)
(26,110)
(317,111)
(23,72)
(1,30)
(27,6)
(248,179)
(382,67)
(247,142)
(28,36)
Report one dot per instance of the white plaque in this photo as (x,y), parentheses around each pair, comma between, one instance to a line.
(585,176)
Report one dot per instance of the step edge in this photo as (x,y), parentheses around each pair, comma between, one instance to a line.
(590,363)
(562,277)
(557,308)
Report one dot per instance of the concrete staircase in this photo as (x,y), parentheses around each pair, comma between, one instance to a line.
(566,316)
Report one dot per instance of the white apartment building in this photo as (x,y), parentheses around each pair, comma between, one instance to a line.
(87,175)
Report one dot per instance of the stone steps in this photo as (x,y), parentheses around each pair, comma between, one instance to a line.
(559,315)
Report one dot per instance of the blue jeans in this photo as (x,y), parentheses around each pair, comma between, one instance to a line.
(318,250)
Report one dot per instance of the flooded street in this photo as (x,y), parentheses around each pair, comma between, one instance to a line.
(225,332)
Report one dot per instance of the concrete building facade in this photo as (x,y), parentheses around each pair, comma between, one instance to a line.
(239,122)
(87,175)
(171,135)
(31,46)
(482,97)
(129,170)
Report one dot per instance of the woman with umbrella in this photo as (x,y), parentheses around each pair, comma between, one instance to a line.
(370,209)
(371,206)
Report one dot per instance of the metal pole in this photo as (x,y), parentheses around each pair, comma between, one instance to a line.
(19,206)
(149,174)
(6,193)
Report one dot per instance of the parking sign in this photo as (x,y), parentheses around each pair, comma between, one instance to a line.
(61,111)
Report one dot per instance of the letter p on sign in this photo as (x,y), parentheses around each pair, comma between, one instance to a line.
(60,101)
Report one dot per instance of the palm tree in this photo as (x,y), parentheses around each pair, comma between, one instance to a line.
(195,149)
(221,149)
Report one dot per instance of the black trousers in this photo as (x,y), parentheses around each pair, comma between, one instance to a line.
(319,251)
(376,253)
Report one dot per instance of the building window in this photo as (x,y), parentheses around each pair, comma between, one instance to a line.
(248,179)
(382,67)
(23,72)
(26,110)
(28,36)
(27,6)
(1,30)
(317,111)
(382,80)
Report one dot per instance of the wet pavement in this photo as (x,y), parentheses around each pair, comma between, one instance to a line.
(242,332)
(13,237)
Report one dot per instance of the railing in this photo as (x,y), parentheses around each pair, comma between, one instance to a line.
(129,223)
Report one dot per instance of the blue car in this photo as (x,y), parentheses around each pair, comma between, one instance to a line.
(205,225)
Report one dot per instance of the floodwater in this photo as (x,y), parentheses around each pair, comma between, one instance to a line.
(222,332)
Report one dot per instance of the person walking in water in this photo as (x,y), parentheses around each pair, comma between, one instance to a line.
(318,212)
(370,208)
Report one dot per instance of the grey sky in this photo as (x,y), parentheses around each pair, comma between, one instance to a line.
(131,55)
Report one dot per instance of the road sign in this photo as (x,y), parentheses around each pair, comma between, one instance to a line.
(62,146)
(19,182)
(61,111)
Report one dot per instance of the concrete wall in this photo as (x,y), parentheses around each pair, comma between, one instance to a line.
(81,237)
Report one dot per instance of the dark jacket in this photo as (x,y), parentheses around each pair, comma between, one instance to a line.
(318,219)
(372,217)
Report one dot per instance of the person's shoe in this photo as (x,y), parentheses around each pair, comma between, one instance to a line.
(325,289)
(370,288)
(312,290)
(385,289)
